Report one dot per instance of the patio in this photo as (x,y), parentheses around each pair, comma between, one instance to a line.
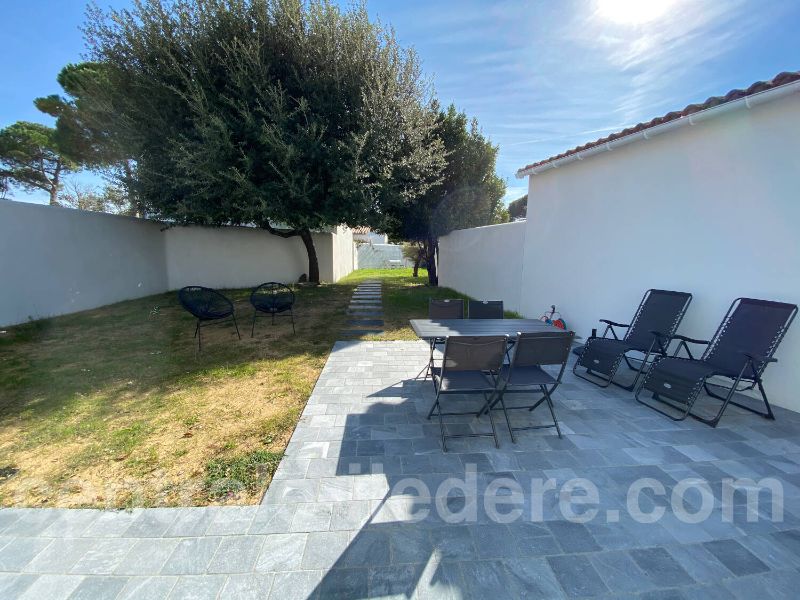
(338,521)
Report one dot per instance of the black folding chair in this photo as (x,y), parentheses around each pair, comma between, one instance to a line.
(525,375)
(439,310)
(658,316)
(470,366)
(274,299)
(485,309)
(207,306)
(740,350)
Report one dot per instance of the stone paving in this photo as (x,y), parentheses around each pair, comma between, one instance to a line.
(365,312)
(339,521)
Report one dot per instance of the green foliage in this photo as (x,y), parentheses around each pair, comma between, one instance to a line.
(30,157)
(468,195)
(227,476)
(110,199)
(266,111)
(519,207)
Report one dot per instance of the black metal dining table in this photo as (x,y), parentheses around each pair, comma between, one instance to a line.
(428,329)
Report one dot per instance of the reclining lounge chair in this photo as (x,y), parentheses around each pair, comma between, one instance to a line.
(658,316)
(740,350)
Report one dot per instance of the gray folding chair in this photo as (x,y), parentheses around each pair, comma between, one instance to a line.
(441,310)
(525,374)
(485,309)
(470,366)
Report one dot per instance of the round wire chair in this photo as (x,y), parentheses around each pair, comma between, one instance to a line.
(206,305)
(273,299)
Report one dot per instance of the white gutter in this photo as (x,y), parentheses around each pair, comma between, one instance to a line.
(747,101)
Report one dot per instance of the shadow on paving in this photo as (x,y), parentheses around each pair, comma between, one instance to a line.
(434,530)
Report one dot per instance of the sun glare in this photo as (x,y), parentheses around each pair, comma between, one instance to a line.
(633,12)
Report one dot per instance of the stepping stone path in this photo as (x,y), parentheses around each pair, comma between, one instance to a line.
(365,311)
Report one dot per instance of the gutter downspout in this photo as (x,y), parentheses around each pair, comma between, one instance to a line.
(747,102)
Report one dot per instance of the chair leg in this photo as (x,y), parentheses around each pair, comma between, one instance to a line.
(253,328)
(508,422)
(441,422)
(291,315)
(199,337)
(549,401)
(494,429)
(273,317)
(235,324)
(769,414)
(197,328)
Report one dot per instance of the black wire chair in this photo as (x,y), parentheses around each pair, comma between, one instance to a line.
(657,318)
(207,306)
(741,349)
(273,299)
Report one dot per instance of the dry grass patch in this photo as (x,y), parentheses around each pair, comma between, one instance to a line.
(115,407)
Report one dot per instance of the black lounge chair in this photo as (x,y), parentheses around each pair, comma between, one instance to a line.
(485,309)
(470,366)
(525,375)
(658,316)
(207,306)
(273,299)
(740,350)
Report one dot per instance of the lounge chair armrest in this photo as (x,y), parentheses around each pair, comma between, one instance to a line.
(757,358)
(613,324)
(684,338)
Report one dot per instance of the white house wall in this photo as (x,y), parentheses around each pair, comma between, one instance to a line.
(712,209)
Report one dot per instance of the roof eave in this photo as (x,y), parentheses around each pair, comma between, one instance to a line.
(702,115)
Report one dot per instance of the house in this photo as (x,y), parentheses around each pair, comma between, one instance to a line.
(703,199)
(365,234)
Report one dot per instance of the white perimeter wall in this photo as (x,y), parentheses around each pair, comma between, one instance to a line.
(485,262)
(56,260)
(713,209)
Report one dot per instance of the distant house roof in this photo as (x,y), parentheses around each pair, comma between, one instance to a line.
(758,87)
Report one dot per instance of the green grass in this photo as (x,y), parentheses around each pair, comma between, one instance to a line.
(226,477)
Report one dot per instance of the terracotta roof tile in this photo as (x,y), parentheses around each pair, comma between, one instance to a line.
(759,86)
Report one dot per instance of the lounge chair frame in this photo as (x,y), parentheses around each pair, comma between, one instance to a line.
(658,346)
(742,381)
(264,299)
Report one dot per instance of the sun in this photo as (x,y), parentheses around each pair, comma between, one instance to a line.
(633,12)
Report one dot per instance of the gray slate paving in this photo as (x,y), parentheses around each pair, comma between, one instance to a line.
(336,520)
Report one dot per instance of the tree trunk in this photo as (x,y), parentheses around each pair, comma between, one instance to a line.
(313,262)
(431,245)
(54,185)
(417,260)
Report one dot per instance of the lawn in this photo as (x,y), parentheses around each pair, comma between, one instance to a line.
(115,407)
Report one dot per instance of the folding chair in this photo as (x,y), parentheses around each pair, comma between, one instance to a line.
(470,366)
(657,318)
(485,309)
(439,310)
(525,374)
(207,306)
(740,350)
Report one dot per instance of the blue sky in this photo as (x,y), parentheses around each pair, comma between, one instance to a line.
(540,76)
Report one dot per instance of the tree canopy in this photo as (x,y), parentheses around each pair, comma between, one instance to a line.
(291,115)
(518,208)
(30,157)
(468,195)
